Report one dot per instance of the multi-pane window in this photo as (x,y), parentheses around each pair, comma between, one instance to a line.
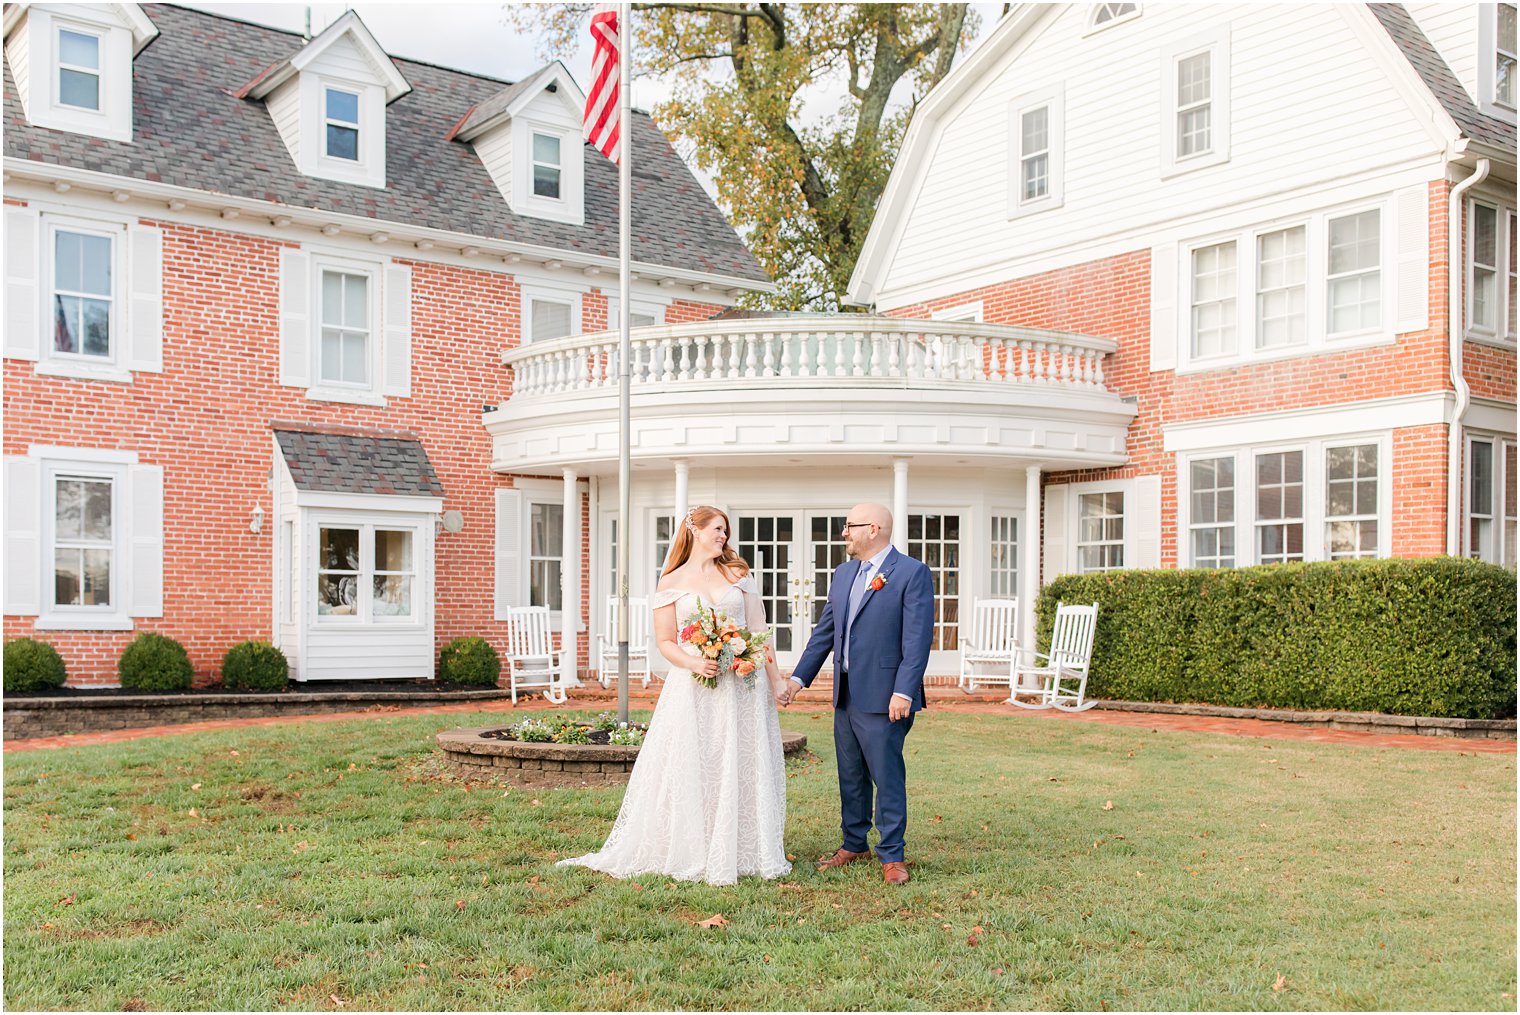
(935,539)
(546,540)
(548,319)
(1107,13)
(1194,105)
(1480,500)
(78,69)
(345,344)
(1005,557)
(1504,56)
(1100,531)
(1354,283)
(82,293)
(1510,223)
(338,572)
(1034,153)
(82,541)
(1279,506)
(1351,501)
(664,535)
(1484,266)
(1213,300)
(395,573)
(1281,275)
(1212,511)
(1509,502)
(341,122)
(546,166)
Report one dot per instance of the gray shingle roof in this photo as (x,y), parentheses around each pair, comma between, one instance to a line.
(190,131)
(329,460)
(1438,77)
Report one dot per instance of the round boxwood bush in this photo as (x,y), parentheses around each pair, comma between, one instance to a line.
(255,666)
(154,662)
(469,660)
(32,665)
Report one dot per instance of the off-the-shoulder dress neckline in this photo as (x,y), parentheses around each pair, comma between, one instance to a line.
(698,593)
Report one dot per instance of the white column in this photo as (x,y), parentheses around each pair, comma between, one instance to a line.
(570,575)
(900,504)
(1029,557)
(683,482)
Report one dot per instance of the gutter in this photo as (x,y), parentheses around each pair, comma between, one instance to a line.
(1456,306)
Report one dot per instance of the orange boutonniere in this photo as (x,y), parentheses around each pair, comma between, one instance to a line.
(878,583)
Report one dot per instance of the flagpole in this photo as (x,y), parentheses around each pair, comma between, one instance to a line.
(625,516)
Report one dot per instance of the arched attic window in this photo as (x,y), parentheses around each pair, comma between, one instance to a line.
(1108,14)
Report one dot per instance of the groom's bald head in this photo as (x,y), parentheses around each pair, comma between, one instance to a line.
(869,530)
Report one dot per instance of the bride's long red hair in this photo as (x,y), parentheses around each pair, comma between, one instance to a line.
(729,562)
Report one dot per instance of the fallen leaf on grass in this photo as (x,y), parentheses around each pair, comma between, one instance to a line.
(1281,983)
(193,813)
(335,999)
(1108,805)
(791,856)
(233,753)
(998,971)
(131,836)
(459,904)
(535,803)
(195,785)
(67,900)
(716,920)
(533,880)
(765,958)
(637,887)
(975,938)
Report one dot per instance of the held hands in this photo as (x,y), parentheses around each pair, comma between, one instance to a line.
(784,690)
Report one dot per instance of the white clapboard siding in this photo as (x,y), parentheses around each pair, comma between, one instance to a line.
(396,360)
(1142,511)
(295,318)
(345,60)
(145,543)
(1056,539)
(1452,29)
(372,653)
(18,53)
(510,568)
(23,536)
(1411,259)
(495,153)
(284,104)
(1301,87)
(1164,307)
(23,297)
(145,279)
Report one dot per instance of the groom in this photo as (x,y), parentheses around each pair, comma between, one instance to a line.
(879,623)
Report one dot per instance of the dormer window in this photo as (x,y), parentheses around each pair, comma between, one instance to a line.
(546,166)
(342,124)
(78,69)
(1107,14)
(1496,60)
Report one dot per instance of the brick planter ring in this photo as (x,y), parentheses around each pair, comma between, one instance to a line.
(536,764)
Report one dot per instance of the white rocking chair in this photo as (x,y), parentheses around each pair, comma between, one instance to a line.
(532,660)
(1071,643)
(639,622)
(992,641)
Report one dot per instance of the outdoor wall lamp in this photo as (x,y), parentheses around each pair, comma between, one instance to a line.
(256,519)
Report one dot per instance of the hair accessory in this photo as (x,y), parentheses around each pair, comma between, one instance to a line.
(689,524)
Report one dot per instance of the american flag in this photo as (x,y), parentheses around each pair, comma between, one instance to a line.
(602,97)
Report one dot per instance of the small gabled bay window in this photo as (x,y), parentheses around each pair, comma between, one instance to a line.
(342,124)
(1496,60)
(546,166)
(72,64)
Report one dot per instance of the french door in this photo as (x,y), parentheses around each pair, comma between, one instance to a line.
(793,556)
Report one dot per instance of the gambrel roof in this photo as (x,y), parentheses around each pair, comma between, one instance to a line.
(191,130)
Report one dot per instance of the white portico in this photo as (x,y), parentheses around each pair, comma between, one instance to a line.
(786,422)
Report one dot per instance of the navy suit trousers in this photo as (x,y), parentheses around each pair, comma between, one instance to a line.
(869,749)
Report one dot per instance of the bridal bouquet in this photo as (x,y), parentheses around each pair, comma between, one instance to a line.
(713,635)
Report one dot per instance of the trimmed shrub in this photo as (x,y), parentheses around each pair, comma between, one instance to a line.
(1431,637)
(469,660)
(255,666)
(32,665)
(155,662)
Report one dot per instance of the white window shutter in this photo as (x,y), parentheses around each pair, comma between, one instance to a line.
(23,294)
(145,280)
(23,536)
(509,551)
(1411,230)
(396,355)
(295,318)
(1142,508)
(145,541)
(1164,307)
(1055,534)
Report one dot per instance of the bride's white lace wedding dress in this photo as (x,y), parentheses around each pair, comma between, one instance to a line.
(707,798)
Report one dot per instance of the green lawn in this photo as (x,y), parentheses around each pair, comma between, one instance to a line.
(326,866)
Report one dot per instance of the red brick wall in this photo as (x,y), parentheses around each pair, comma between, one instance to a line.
(205,419)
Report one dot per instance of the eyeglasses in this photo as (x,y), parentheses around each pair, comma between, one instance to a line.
(856,525)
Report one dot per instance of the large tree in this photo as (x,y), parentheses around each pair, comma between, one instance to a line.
(751,91)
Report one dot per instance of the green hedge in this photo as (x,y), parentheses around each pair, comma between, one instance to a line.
(155,662)
(255,666)
(1429,637)
(470,660)
(32,665)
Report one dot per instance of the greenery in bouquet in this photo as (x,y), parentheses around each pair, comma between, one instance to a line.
(709,634)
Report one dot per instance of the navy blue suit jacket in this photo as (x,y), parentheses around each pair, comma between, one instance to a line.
(889,640)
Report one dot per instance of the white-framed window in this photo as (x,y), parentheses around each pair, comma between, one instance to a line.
(1496,60)
(935,539)
(79,66)
(546,540)
(1211,518)
(346,338)
(1036,135)
(1351,501)
(1489,522)
(1100,531)
(340,124)
(1004,556)
(1490,272)
(1195,102)
(84,554)
(1106,15)
(1510,224)
(345,326)
(1281,285)
(547,166)
(366,572)
(1354,273)
(644,312)
(549,312)
(1213,317)
(1279,506)
(83,295)
(664,533)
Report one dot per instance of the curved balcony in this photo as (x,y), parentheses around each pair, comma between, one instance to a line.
(847,387)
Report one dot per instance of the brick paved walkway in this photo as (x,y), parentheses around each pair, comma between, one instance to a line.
(814,701)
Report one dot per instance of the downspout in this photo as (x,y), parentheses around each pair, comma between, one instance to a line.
(1456,306)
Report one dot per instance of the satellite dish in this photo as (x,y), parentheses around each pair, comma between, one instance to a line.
(453,521)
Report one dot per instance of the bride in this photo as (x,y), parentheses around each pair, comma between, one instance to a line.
(707,797)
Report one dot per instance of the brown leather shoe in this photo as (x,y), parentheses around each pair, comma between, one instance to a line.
(895,873)
(839,859)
